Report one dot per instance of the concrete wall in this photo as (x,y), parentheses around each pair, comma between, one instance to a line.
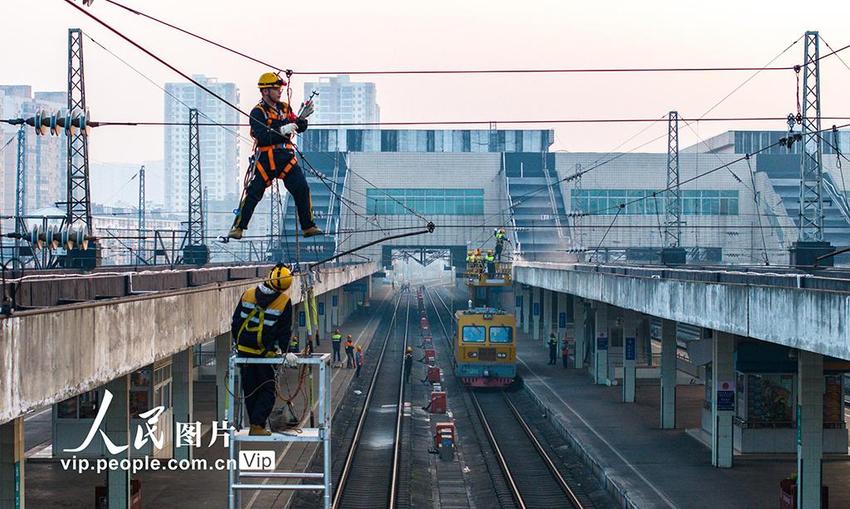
(49,355)
(812,320)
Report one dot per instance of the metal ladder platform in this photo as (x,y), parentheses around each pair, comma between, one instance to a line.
(320,433)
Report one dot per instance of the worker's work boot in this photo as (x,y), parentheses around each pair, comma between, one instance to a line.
(259,431)
(235,233)
(312,232)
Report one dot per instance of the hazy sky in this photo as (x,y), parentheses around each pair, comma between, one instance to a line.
(371,34)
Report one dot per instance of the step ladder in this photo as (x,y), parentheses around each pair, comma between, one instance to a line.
(238,480)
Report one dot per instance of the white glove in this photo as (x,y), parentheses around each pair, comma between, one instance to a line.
(288,129)
(291,360)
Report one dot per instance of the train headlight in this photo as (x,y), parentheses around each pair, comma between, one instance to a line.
(502,355)
(472,354)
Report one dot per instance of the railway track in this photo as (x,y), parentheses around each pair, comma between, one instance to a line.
(530,472)
(369,477)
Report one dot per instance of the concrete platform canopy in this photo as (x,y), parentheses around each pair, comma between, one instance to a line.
(767,308)
(51,354)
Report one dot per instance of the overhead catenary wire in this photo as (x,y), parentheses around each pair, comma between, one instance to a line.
(748,69)
(166,64)
(509,121)
(374,72)
(709,172)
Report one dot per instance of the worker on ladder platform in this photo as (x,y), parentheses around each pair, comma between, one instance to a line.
(261,322)
(501,238)
(272,125)
(491,263)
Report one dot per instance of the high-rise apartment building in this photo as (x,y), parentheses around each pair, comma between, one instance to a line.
(219,145)
(46,178)
(343,101)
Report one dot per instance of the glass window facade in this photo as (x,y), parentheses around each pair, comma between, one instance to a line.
(694,202)
(435,202)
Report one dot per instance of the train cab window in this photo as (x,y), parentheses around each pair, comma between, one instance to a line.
(501,335)
(473,333)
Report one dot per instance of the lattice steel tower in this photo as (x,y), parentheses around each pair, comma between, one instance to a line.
(275,223)
(811,168)
(78,214)
(140,251)
(20,191)
(673,207)
(195,235)
(21,181)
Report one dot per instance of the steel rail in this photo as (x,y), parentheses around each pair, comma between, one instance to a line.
(503,464)
(399,413)
(550,464)
(576,503)
(349,459)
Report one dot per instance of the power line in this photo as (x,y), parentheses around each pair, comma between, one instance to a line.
(635,120)
(459,71)
(173,68)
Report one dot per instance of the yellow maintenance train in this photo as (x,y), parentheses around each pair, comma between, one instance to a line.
(485,353)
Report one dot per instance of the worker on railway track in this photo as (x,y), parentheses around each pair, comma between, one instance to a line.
(336,343)
(293,343)
(272,125)
(553,349)
(408,364)
(262,322)
(358,360)
(349,352)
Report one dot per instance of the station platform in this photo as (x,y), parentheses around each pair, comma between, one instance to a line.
(644,466)
(49,485)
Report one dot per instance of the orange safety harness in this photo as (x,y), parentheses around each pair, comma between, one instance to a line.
(272,114)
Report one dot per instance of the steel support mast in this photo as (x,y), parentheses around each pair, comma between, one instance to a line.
(275,225)
(78,204)
(195,251)
(673,208)
(672,252)
(140,250)
(811,162)
(20,192)
(810,242)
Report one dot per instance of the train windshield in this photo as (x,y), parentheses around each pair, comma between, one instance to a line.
(501,334)
(473,333)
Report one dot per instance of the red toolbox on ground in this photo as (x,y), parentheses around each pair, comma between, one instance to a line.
(442,429)
(430,354)
(438,402)
(433,374)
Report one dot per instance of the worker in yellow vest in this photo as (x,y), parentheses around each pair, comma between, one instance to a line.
(261,323)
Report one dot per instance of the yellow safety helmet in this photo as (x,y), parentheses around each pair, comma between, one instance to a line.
(270,80)
(409,349)
(280,278)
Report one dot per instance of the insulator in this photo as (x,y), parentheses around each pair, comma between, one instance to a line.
(35,237)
